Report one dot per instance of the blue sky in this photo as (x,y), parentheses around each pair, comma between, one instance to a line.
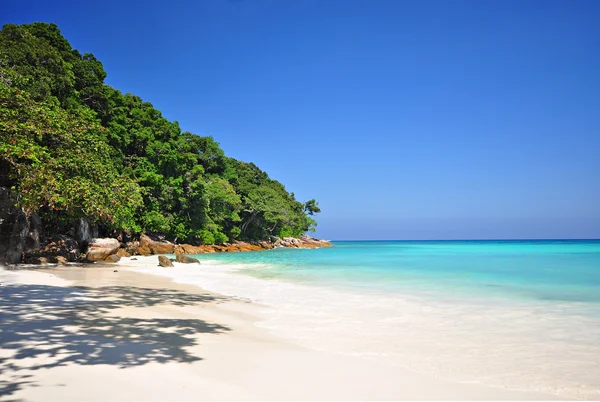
(405,120)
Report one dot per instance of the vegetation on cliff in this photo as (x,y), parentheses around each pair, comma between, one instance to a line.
(72,147)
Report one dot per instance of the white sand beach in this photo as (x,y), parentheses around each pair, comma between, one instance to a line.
(90,333)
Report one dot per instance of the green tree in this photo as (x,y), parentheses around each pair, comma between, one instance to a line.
(60,161)
(75,147)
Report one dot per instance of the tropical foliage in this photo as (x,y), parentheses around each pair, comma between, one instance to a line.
(72,146)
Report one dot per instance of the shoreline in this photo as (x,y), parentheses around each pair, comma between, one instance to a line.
(500,344)
(95,334)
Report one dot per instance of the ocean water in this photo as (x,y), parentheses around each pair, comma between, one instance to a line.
(515,314)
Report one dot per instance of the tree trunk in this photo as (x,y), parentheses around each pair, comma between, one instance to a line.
(245,224)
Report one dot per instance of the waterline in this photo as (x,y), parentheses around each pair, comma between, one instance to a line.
(442,322)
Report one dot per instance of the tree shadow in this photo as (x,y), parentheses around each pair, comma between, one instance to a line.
(73,325)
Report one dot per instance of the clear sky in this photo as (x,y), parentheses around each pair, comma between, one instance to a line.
(404,119)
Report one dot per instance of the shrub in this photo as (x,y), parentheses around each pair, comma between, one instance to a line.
(220,237)
(206,237)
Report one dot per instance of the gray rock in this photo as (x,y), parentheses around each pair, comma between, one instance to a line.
(16,244)
(84,232)
(185,259)
(164,261)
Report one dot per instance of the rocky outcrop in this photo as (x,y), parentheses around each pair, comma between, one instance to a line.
(59,246)
(147,246)
(185,259)
(19,232)
(8,215)
(164,261)
(25,237)
(99,249)
(238,246)
(64,246)
(16,243)
(84,232)
(189,249)
(303,242)
(25,234)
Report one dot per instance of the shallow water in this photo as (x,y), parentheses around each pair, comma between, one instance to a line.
(515,314)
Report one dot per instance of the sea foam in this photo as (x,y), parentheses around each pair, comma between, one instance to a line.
(547,347)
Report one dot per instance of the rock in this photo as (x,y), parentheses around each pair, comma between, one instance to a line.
(112,258)
(134,259)
(61,245)
(16,244)
(32,241)
(143,251)
(310,242)
(122,253)
(99,249)
(155,247)
(189,249)
(36,260)
(185,259)
(131,247)
(164,261)
(8,213)
(61,260)
(266,245)
(84,232)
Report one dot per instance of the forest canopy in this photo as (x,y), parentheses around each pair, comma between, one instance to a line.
(73,147)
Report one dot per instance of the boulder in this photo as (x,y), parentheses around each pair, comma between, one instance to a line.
(154,246)
(84,232)
(61,260)
(16,243)
(266,245)
(112,258)
(164,261)
(122,253)
(20,233)
(185,259)
(189,249)
(99,249)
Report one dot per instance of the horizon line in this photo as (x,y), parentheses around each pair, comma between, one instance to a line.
(515,239)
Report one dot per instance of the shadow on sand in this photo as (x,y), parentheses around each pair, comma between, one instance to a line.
(74,325)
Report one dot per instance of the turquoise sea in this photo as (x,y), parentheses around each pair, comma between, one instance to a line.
(552,270)
(515,314)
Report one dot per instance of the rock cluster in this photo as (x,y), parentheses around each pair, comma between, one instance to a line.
(304,242)
(61,249)
(147,246)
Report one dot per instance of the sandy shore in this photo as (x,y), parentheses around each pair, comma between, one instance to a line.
(93,334)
